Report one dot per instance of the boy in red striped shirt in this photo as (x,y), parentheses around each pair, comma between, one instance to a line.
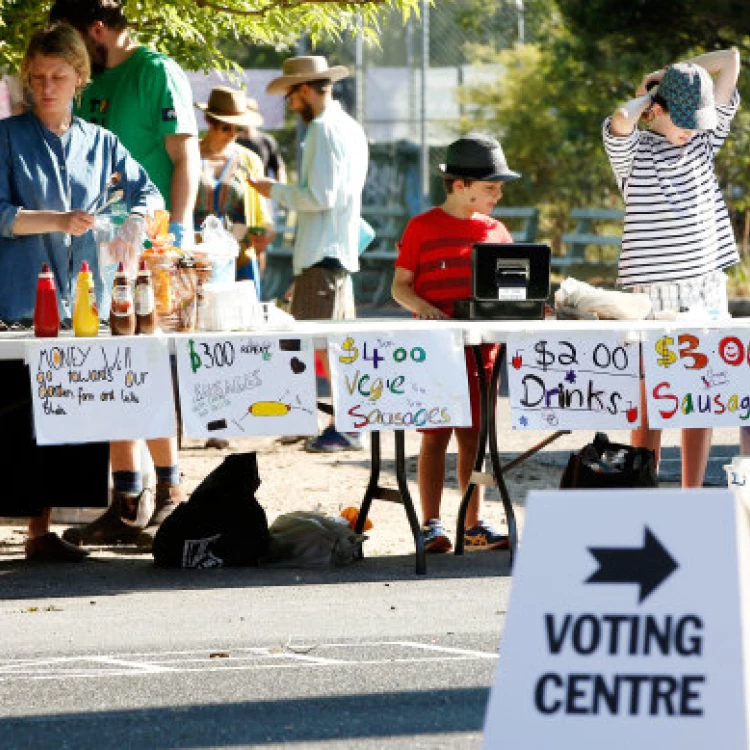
(433,270)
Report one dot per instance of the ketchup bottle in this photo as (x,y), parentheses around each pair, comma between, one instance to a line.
(46,314)
(145,303)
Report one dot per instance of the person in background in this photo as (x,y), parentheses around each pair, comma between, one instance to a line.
(52,167)
(677,238)
(224,190)
(262,143)
(327,201)
(145,99)
(433,270)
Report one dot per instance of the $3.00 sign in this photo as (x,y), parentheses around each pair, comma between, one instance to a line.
(697,378)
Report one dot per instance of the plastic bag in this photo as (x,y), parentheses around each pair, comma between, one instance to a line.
(577,299)
(218,249)
(304,539)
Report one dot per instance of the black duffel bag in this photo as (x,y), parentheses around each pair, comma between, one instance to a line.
(221,524)
(606,465)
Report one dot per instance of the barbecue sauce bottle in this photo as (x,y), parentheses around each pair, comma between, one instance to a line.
(85,311)
(46,313)
(122,311)
(145,302)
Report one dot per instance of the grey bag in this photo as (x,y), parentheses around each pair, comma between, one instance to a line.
(304,539)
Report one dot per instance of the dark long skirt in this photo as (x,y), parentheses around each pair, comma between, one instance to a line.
(33,477)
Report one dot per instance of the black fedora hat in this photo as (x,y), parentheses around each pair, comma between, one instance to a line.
(477,156)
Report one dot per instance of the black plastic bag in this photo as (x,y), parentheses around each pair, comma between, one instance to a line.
(606,465)
(221,524)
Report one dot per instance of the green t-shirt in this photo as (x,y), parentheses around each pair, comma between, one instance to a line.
(141,100)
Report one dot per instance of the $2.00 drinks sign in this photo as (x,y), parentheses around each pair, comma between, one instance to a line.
(397,381)
(561,382)
(697,378)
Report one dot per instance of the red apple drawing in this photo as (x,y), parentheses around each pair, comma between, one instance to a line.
(516,361)
(632,414)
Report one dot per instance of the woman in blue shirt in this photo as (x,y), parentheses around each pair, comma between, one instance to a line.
(52,168)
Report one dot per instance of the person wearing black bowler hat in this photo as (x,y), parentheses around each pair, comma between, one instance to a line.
(433,270)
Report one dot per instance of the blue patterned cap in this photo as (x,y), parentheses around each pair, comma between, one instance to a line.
(689,93)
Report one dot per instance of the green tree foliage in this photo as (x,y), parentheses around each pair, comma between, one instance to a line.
(193,32)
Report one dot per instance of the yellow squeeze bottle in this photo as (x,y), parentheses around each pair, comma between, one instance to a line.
(85,312)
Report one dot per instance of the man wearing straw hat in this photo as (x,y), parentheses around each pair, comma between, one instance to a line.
(327,200)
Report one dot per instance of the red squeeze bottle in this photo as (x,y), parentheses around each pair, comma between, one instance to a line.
(46,314)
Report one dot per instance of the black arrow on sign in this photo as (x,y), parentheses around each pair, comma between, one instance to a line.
(648,566)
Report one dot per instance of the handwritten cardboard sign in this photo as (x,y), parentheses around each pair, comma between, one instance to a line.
(697,378)
(239,386)
(573,381)
(91,390)
(399,381)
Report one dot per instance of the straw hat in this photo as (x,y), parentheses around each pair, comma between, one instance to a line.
(231,106)
(303,69)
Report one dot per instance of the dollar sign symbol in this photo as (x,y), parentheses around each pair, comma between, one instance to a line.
(195,360)
(668,357)
(348,346)
(545,358)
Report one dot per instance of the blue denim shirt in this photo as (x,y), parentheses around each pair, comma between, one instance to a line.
(42,171)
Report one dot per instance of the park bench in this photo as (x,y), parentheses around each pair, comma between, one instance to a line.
(585,236)
(512,215)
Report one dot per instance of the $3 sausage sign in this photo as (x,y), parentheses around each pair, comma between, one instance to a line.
(697,378)
(561,382)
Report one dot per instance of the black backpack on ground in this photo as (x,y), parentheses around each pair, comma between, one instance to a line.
(222,524)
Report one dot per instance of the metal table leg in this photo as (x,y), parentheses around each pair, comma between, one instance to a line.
(402,496)
(487,426)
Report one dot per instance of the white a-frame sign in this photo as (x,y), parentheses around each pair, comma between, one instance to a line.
(628,624)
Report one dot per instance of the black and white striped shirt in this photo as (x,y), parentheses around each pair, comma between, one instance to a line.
(676,222)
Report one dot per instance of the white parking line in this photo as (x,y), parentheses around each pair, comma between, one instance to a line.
(87,666)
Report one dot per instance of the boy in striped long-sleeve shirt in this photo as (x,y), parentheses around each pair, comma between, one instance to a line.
(677,237)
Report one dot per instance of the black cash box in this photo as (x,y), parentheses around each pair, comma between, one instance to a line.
(509,281)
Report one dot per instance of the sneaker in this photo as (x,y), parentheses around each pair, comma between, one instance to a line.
(483,536)
(331,441)
(435,538)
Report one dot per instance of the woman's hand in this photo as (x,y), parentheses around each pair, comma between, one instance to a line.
(76,222)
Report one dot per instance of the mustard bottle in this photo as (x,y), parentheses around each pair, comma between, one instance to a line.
(85,312)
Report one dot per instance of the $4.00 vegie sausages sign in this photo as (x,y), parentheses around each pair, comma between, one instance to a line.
(562,382)
(697,378)
(409,380)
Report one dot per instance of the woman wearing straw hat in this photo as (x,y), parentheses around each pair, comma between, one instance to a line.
(224,190)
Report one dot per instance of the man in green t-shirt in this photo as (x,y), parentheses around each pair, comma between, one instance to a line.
(145,99)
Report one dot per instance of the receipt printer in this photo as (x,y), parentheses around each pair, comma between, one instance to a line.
(508,282)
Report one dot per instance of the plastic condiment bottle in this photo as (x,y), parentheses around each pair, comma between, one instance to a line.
(122,310)
(46,314)
(145,302)
(85,312)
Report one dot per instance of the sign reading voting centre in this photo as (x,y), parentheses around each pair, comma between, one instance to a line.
(697,378)
(408,380)
(626,630)
(573,381)
(246,385)
(90,390)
